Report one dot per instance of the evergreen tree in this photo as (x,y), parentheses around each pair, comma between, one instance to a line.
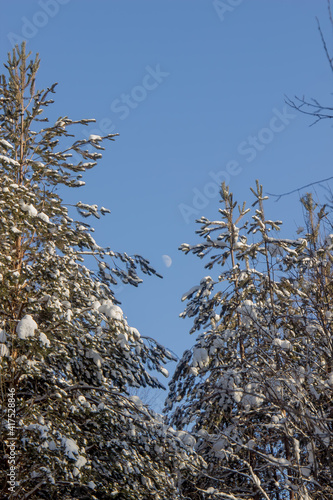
(67,354)
(256,389)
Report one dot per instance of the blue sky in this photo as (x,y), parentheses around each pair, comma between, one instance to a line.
(196,91)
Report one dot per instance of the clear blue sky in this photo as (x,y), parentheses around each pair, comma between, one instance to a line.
(187,88)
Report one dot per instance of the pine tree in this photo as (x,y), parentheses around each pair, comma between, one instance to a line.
(67,354)
(256,389)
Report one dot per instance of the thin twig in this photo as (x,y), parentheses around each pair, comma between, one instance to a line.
(324,43)
(278,196)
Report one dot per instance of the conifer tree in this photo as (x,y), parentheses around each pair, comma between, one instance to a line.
(67,354)
(256,389)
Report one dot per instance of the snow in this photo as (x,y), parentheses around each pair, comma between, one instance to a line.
(9,160)
(26,327)
(43,429)
(311,457)
(200,357)
(4,351)
(105,210)
(88,164)
(95,138)
(110,310)
(5,143)
(251,444)
(186,438)
(52,445)
(76,472)
(122,340)
(29,208)
(98,360)
(81,461)
(3,336)
(60,123)
(43,217)
(248,312)
(135,333)
(44,340)
(91,485)
(137,401)
(284,344)
(252,397)
(70,448)
(238,394)
(193,371)
(297,449)
(219,445)
(68,315)
(330,379)
(164,371)
(279,460)
(306,471)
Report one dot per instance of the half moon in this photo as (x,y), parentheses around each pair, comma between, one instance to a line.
(167,260)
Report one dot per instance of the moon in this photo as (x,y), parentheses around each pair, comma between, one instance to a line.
(167,260)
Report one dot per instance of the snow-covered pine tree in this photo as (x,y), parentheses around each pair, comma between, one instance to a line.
(257,387)
(67,353)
